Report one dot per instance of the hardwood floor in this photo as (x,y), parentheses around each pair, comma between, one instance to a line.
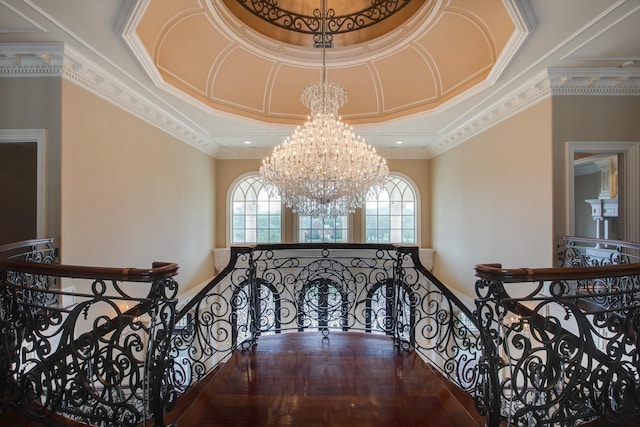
(303,379)
(346,379)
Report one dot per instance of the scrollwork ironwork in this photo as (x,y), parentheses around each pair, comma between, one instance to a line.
(271,12)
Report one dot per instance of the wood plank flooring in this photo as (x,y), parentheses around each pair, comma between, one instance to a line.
(345,379)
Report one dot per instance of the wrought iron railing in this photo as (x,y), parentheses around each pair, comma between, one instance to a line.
(560,344)
(113,347)
(87,343)
(273,289)
(108,347)
(584,252)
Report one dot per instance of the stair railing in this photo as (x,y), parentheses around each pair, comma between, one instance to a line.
(559,344)
(87,343)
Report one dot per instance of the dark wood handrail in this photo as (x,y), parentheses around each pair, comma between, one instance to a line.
(511,275)
(159,270)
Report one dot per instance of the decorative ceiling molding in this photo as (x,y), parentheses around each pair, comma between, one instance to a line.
(31,60)
(261,153)
(525,22)
(595,81)
(526,95)
(38,60)
(53,59)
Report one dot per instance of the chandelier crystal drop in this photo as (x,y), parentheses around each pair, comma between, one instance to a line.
(324,169)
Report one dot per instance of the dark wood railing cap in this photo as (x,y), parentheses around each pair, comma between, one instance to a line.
(496,272)
(159,270)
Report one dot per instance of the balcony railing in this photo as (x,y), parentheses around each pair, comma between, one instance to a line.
(274,289)
(111,346)
(87,343)
(560,344)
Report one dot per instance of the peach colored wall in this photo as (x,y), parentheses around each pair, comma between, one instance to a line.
(34,103)
(131,193)
(228,170)
(492,199)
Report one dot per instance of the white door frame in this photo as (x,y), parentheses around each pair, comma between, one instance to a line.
(39,136)
(630,184)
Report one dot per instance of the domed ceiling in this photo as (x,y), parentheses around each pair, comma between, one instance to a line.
(253,58)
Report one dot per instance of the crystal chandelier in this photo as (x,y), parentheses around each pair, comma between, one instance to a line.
(324,169)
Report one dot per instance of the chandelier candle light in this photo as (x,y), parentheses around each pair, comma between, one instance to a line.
(324,169)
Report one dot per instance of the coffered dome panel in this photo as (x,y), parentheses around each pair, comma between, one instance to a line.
(466,55)
(412,84)
(284,93)
(185,61)
(234,88)
(366,101)
(421,57)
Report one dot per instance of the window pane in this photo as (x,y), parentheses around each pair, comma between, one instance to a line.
(263,221)
(238,207)
(238,221)
(317,229)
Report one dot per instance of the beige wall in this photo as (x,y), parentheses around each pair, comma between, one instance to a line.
(34,103)
(132,194)
(492,199)
(588,118)
(229,170)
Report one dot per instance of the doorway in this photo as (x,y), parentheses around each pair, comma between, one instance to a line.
(21,184)
(624,157)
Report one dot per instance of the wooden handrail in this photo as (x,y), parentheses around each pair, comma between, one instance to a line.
(511,275)
(159,270)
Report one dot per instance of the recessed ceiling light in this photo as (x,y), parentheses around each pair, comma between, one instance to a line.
(398,142)
(247,142)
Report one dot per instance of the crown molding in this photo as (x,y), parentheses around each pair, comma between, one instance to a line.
(54,60)
(243,153)
(404,153)
(523,97)
(31,60)
(552,82)
(595,81)
(261,153)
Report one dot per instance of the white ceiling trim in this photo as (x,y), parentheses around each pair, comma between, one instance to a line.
(525,96)
(52,59)
(31,60)
(595,81)
(87,75)
(261,153)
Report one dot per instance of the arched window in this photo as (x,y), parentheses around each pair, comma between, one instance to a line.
(256,216)
(392,216)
